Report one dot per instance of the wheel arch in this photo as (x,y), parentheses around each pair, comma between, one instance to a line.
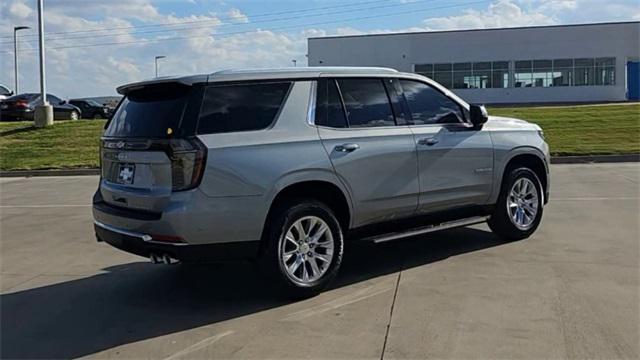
(526,157)
(324,191)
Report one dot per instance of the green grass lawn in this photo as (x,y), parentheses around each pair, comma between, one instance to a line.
(67,144)
(584,130)
(570,130)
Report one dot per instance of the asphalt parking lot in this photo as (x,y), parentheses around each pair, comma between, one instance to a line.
(570,291)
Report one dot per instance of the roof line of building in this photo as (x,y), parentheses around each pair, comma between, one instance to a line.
(471,30)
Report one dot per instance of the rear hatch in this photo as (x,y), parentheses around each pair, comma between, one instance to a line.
(149,149)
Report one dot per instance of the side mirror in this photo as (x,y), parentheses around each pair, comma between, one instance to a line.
(63,102)
(478,115)
(11,93)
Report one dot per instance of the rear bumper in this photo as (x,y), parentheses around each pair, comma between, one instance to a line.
(143,245)
(190,215)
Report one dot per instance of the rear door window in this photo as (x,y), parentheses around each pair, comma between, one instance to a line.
(152,112)
(241,107)
(366,103)
(329,111)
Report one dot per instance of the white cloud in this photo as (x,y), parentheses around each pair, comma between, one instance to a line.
(19,10)
(237,16)
(202,43)
(502,13)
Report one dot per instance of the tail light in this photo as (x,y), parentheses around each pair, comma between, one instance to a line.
(21,104)
(188,159)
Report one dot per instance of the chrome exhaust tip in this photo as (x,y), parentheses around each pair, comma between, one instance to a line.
(155,259)
(163,259)
(169,260)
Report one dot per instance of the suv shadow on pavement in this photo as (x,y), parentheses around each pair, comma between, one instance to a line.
(138,301)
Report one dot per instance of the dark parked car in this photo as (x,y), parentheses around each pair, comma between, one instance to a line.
(5,92)
(22,107)
(91,109)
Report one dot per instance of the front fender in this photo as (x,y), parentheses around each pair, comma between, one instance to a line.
(503,157)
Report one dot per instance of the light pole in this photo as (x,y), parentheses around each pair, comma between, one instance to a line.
(156,60)
(295,62)
(15,55)
(44,113)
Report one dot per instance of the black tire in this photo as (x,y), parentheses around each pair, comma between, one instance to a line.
(97,116)
(501,221)
(279,224)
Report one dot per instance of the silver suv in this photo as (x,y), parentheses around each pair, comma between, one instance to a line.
(284,166)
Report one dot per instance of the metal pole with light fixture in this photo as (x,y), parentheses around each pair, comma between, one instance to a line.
(295,62)
(15,55)
(156,60)
(44,113)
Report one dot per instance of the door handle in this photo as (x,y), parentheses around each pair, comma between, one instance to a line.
(346,147)
(428,141)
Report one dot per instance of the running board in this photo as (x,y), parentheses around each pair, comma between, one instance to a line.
(427,229)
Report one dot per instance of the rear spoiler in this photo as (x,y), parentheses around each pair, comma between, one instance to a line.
(183,80)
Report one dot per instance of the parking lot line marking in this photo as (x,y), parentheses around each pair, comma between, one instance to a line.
(199,345)
(334,304)
(42,206)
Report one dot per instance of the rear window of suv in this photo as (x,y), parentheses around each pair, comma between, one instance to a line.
(241,107)
(151,112)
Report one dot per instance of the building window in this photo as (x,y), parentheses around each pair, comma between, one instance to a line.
(526,73)
(482,75)
(424,70)
(443,75)
(523,73)
(584,72)
(605,71)
(462,76)
(542,73)
(479,75)
(563,72)
(500,74)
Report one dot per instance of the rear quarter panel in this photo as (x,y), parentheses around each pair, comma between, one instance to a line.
(246,170)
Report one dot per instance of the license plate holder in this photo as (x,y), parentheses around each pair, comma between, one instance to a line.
(126,174)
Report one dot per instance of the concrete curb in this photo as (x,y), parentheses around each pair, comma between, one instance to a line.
(595,159)
(554,160)
(55,172)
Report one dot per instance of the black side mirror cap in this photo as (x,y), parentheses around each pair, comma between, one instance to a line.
(478,115)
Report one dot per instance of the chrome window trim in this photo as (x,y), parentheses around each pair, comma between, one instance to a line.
(413,77)
(363,128)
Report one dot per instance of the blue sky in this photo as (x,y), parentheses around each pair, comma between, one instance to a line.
(94,46)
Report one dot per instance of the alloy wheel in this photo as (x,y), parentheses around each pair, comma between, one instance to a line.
(522,203)
(306,250)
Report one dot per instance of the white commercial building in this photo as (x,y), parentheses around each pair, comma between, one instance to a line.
(552,64)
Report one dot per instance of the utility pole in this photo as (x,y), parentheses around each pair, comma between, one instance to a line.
(15,55)
(44,113)
(156,60)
